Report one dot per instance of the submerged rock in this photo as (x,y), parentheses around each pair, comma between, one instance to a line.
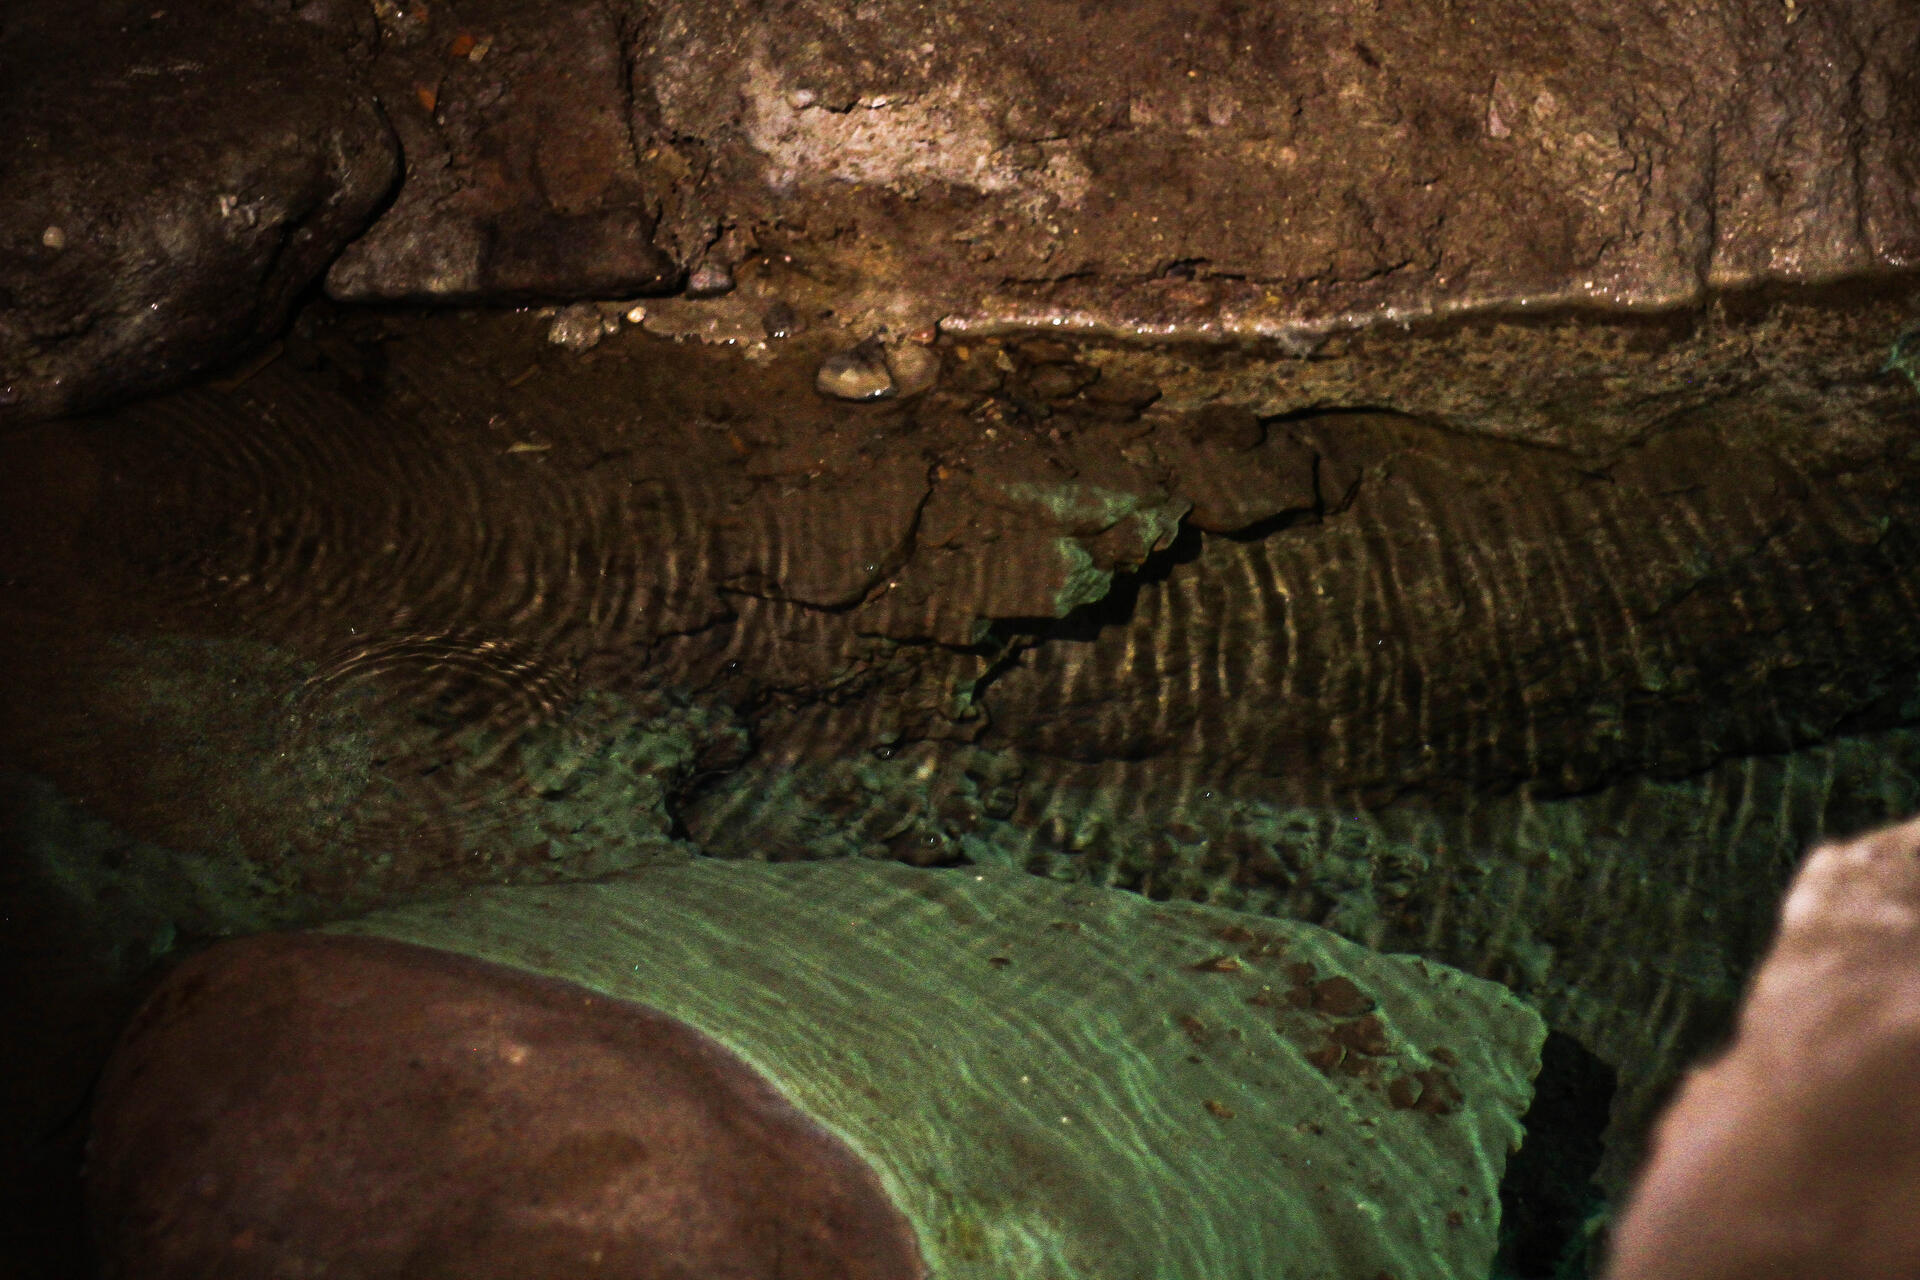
(1044,1080)
(581,326)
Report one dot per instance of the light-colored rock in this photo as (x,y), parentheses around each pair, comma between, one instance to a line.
(581,326)
(1796,1154)
(858,374)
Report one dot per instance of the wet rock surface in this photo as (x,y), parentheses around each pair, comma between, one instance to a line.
(1196,167)
(522,178)
(1442,630)
(857,374)
(177,179)
(1020,1063)
(1025,1064)
(430,601)
(310,1103)
(1286,174)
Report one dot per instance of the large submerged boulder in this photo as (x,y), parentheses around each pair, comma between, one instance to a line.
(785,1065)
(303,1104)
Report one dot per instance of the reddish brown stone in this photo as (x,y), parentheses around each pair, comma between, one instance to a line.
(1439,1094)
(1796,1152)
(1341,998)
(1327,1056)
(299,1104)
(1363,1035)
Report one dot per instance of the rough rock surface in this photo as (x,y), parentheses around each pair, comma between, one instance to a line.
(1072,1081)
(431,601)
(1796,1153)
(305,1105)
(175,178)
(1282,171)
(1314,180)
(1289,173)
(1208,168)
(522,180)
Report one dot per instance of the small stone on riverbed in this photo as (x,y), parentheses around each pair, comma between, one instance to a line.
(859,374)
(915,368)
(580,327)
(781,321)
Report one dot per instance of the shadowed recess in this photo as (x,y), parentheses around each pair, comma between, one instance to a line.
(1550,1204)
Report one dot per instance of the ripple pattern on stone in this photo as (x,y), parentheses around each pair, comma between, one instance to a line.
(1487,614)
(301,510)
(1029,1066)
(433,758)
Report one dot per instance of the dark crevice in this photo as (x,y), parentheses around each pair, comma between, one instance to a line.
(1078,273)
(1427,422)
(1310,413)
(1008,638)
(893,562)
(1115,608)
(1280,523)
(1550,1209)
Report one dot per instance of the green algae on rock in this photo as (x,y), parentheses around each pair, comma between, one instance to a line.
(1061,1081)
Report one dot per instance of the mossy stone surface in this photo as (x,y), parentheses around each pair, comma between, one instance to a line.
(1065,1081)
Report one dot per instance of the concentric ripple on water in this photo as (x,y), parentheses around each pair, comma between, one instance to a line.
(435,728)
